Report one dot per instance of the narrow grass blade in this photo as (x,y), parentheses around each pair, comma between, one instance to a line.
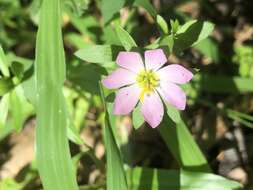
(225,84)
(116,179)
(52,149)
(182,145)
(158,179)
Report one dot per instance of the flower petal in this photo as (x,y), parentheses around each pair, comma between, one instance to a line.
(118,78)
(131,61)
(126,99)
(152,109)
(154,59)
(175,73)
(172,94)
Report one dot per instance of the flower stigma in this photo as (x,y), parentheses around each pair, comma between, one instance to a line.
(147,81)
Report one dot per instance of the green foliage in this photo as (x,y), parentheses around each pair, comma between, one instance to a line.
(65,104)
(244,57)
(146,5)
(223,84)
(157,179)
(162,24)
(22,109)
(6,85)
(52,149)
(10,184)
(126,40)
(102,54)
(198,31)
(137,117)
(4,107)
(78,7)
(116,178)
(3,63)
(110,8)
(186,152)
(173,114)
(209,49)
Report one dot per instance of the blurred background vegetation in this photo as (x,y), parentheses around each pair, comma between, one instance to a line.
(220,101)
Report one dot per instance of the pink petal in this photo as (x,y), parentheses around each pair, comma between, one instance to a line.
(126,99)
(154,59)
(131,61)
(152,109)
(118,78)
(173,94)
(175,73)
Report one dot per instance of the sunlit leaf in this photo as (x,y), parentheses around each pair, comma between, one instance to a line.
(225,84)
(160,179)
(197,30)
(162,24)
(126,40)
(6,85)
(3,63)
(209,49)
(115,177)
(52,149)
(182,145)
(138,119)
(4,108)
(102,54)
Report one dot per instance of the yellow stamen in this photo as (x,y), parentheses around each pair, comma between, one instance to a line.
(148,81)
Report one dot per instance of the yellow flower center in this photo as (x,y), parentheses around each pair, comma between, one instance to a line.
(148,81)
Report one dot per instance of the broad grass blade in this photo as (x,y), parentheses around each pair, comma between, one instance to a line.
(52,148)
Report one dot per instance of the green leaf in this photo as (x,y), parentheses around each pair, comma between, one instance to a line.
(30,90)
(160,179)
(5,131)
(102,54)
(10,184)
(6,85)
(84,25)
(174,26)
(242,118)
(52,149)
(3,63)
(162,24)
(4,108)
(225,84)
(197,30)
(110,8)
(173,113)
(146,5)
(77,6)
(73,134)
(190,34)
(22,109)
(209,49)
(115,177)
(182,145)
(138,119)
(17,69)
(168,40)
(86,77)
(126,40)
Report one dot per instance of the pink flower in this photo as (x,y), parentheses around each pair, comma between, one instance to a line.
(147,83)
